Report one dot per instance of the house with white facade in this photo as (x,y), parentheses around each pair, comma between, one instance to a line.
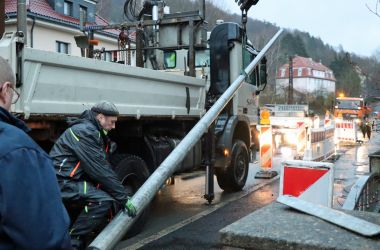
(52,25)
(309,77)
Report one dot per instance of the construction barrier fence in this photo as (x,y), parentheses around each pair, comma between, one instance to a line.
(301,138)
(266,153)
(320,144)
(346,131)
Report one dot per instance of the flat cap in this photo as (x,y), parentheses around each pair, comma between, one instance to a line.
(106,108)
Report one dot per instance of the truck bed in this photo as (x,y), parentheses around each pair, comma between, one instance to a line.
(57,84)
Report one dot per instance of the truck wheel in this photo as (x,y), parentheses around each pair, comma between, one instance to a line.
(233,178)
(133,172)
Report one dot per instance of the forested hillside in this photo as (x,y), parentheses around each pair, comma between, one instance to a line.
(355,75)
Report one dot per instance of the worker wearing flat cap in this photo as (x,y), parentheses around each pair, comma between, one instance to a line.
(84,174)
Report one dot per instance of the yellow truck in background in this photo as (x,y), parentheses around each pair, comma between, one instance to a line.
(351,108)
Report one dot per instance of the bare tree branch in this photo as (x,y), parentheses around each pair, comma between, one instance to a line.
(374,11)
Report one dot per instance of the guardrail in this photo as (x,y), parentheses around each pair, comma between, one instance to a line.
(374,162)
(365,194)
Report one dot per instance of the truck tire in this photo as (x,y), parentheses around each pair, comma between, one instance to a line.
(133,172)
(233,177)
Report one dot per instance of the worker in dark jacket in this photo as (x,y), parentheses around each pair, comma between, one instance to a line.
(86,177)
(32,215)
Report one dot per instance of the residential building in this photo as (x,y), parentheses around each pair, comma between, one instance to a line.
(309,77)
(52,25)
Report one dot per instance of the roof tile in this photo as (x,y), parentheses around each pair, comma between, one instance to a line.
(303,62)
(43,8)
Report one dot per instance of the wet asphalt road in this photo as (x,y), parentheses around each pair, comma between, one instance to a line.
(177,206)
(203,232)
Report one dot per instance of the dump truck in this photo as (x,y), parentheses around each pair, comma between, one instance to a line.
(158,105)
(351,114)
(350,108)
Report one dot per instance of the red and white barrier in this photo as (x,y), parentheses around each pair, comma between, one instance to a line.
(346,131)
(301,138)
(266,153)
(328,121)
(307,180)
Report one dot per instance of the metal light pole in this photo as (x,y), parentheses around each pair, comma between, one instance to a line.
(290,91)
(21,18)
(2,18)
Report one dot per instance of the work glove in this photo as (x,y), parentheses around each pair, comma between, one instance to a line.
(112,147)
(130,208)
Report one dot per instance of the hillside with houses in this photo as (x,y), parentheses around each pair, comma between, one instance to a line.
(53,26)
(355,75)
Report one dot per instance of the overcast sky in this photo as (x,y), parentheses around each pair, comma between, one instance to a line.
(337,22)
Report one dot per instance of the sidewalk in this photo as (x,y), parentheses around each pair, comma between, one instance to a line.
(351,164)
(278,227)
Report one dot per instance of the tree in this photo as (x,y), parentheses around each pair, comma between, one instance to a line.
(348,80)
(376,9)
(293,45)
(376,55)
(292,42)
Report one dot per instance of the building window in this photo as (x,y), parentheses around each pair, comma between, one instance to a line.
(68,8)
(83,10)
(299,71)
(108,56)
(62,47)
(283,72)
(318,73)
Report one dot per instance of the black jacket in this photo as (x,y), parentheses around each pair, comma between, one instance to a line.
(79,155)
(32,215)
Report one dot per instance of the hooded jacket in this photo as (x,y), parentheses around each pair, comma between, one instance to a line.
(80,155)
(32,215)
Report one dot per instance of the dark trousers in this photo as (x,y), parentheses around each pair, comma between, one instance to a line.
(93,205)
(369,132)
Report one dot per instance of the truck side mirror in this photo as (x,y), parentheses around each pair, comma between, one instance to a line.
(263,71)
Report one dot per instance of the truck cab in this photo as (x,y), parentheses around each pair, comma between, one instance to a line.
(350,108)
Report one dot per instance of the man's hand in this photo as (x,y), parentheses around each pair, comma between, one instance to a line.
(131,210)
(112,147)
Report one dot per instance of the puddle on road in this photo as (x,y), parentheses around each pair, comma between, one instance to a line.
(352,163)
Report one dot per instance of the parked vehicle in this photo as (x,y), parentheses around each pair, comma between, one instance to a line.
(351,108)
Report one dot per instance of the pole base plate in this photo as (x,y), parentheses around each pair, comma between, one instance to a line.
(265,174)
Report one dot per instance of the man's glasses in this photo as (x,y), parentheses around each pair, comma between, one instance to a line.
(16,95)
